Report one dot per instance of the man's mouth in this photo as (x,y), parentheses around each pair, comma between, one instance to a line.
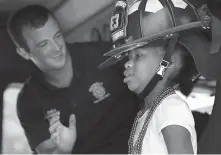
(56,56)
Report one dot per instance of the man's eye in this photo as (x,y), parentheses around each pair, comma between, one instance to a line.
(58,35)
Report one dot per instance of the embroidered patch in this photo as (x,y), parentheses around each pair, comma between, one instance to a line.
(98,91)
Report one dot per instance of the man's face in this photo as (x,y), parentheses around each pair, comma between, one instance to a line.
(47,48)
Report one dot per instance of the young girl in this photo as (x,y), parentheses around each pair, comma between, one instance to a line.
(160,46)
(165,124)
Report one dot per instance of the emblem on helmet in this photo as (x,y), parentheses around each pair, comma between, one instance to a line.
(98,92)
(118,21)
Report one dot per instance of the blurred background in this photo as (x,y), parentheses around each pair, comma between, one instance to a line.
(79,23)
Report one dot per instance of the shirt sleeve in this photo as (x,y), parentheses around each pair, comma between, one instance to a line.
(174,111)
(33,122)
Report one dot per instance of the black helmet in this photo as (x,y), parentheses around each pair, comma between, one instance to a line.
(136,23)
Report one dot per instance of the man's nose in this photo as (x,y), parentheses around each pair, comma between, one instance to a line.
(56,46)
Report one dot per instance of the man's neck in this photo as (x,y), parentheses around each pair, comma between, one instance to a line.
(61,78)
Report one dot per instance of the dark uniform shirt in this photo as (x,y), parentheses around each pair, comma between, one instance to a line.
(103,105)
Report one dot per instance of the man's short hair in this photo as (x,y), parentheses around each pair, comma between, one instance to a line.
(33,16)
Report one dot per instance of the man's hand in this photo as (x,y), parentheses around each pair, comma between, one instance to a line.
(63,137)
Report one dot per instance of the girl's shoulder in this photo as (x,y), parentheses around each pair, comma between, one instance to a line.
(173,110)
(175,102)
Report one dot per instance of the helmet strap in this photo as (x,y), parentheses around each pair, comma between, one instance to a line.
(162,68)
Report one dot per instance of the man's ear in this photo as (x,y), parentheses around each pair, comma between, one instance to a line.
(23,53)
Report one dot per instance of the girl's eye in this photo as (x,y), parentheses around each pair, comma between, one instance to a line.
(138,55)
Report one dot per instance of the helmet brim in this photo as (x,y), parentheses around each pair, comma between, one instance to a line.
(156,39)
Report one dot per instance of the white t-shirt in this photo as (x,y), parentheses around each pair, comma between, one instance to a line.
(172,111)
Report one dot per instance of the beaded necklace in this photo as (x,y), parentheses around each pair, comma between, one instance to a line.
(136,148)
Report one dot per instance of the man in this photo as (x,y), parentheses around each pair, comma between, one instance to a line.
(68,105)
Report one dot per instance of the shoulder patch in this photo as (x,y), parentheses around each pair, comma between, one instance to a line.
(98,91)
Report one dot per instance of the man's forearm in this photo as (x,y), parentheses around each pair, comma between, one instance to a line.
(49,147)
(53,151)
(58,151)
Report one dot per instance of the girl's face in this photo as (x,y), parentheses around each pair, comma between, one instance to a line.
(141,67)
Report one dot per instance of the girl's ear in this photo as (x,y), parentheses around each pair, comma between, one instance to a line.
(175,66)
(173,58)
(177,60)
